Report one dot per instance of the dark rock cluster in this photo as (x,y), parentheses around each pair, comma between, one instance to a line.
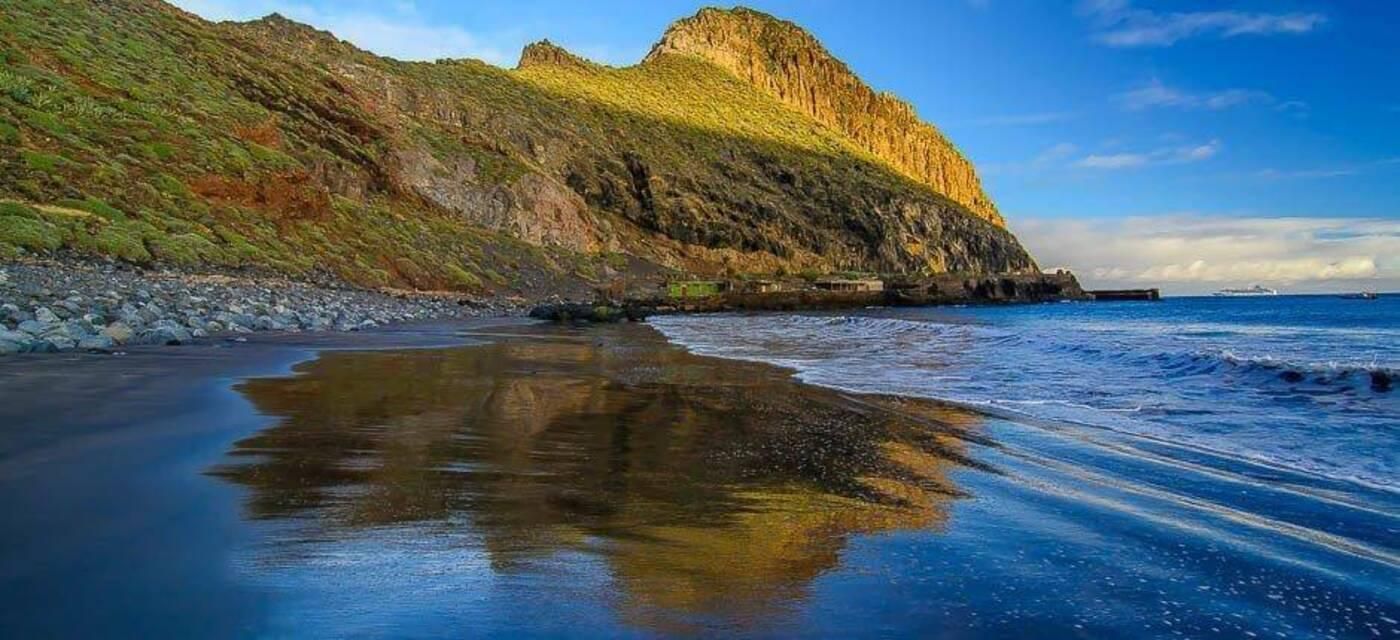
(52,306)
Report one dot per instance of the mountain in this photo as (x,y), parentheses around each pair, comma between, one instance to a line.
(134,130)
(785,61)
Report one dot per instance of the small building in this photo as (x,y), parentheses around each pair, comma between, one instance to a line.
(763,286)
(851,284)
(695,288)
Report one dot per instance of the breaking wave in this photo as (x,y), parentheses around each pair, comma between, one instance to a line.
(1309,396)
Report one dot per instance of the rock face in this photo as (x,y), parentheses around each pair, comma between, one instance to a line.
(738,146)
(787,62)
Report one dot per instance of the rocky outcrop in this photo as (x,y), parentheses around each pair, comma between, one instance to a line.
(545,52)
(739,147)
(787,62)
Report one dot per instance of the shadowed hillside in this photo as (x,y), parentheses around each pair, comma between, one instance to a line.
(134,130)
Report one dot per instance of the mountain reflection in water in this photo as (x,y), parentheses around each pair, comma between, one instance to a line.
(707,487)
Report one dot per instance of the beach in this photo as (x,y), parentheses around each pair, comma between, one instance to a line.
(501,478)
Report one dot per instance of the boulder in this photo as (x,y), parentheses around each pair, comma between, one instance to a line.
(59,342)
(98,342)
(14,341)
(33,327)
(165,332)
(119,332)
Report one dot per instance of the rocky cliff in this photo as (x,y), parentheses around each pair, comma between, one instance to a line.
(140,132)
(784,60)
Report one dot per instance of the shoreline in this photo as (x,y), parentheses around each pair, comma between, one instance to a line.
(141,381)
(223,472)
(67,305)
(54,306)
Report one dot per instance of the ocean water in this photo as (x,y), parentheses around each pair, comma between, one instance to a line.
(1195,468)
(1301,385)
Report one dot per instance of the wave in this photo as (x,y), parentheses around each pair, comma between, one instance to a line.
(1281,401)
(875,334)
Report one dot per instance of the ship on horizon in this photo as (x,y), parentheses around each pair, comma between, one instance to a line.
(1255,290)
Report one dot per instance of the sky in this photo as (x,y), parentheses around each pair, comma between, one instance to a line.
(1188,144)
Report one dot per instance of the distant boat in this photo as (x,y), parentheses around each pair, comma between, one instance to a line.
(1255,290)
(1363,295)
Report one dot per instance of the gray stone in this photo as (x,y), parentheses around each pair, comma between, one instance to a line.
(33,327)
(60,342)
(164,332)
(15,341)
(97,343)
(119,332)
(152,312)
(46,316)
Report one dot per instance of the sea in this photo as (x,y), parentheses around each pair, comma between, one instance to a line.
(1304,385)
(1190,468)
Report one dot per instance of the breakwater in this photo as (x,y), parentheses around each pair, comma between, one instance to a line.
(798,295)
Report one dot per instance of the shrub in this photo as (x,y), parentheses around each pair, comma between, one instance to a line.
(116,240)
(461,278)
(183,248)
(39,161)
(29,233)
(158,150)
(94,206)
(9,134)
(171,185)
(17,209)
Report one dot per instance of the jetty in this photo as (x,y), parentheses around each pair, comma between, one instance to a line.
(827,293)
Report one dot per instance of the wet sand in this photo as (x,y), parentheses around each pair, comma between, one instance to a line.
(543,481)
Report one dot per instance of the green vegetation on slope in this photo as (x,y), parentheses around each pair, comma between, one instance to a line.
(133,130)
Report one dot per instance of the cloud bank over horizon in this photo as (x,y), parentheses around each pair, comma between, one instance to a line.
(1193,253)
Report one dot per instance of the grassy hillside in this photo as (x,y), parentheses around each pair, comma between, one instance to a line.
(133,130)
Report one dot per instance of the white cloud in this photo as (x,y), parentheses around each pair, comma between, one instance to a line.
(394,29)
(1323,172)
(1329,172)
(1198,152)
(1114,161)
(1054,154)
(1119,24)
(1165,155)
(1051,157)
(1190,253)
(1157,94)
(1295,108)
(1024,119)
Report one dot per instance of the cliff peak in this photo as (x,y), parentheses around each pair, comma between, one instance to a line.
(784,60)
(544,52)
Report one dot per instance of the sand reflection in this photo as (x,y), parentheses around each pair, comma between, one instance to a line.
(711,488)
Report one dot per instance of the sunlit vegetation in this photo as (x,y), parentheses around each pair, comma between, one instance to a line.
(135,131)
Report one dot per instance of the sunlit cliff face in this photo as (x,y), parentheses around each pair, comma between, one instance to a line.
(709,487)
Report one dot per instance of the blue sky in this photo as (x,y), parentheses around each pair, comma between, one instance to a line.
(1199,144)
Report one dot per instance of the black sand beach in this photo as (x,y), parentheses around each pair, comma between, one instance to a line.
(514,480)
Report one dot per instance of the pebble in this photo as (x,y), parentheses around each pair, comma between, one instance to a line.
(60,306)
